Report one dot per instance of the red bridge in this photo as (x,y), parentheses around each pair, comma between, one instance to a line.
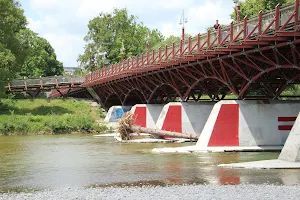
(254,59)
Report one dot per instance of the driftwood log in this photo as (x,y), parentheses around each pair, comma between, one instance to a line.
(126,128)
(163,133)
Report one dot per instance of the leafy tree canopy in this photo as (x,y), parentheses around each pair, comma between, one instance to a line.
(79,72)
(12,53)
(109,32)
(22,52)
(170,40)
(41,59)
(251,8)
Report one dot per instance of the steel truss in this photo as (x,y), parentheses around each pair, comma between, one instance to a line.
(254,59)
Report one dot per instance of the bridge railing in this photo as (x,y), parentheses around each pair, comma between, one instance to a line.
(45,82)
(242,33)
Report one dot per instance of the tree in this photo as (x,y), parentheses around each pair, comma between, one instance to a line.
(80,72)
(12,53)
(251,8)
(109,32)
(169,41)
(41,58)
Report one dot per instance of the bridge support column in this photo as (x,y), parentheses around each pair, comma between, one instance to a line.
(289,157)
(116,112)
(184,117)
(146,115)
(291,149)
(33,94)
(242,125)
(94,95)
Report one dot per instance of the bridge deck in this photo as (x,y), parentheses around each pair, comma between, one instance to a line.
(44,83)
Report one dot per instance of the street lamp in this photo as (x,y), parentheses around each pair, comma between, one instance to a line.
(238,12)
(183,21)
(122,49)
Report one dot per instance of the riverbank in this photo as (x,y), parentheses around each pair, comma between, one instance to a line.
(171,192)
(44,116)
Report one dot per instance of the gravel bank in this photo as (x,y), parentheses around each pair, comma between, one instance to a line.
(172,192)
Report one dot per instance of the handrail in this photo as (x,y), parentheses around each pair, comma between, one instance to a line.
(43,81)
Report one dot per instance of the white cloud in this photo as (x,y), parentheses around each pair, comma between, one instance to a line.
(199,18)
(205,16)
(34,25)
(89,7)
(170,29)
(44,4)
(67,47)
(64,22)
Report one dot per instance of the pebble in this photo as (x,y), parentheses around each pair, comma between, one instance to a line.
(174,192)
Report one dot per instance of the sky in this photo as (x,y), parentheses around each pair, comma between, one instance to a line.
(64,22)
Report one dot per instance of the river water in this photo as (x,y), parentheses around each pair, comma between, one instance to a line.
(75,161)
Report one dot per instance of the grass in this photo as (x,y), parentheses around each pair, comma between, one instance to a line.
(228,96)
(41,116)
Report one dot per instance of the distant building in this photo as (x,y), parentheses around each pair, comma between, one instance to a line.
(70,70)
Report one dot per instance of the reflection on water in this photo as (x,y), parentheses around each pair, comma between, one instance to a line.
(228,176)
(42,162)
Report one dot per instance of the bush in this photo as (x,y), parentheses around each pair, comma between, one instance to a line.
(7,127)
(57,126)
(100,129)
(34,118)
(85,123)
(22,126)
(55,116)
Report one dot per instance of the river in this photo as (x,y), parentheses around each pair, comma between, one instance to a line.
(39,162)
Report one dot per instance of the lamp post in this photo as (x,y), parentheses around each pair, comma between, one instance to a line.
(182,21)
(238,13)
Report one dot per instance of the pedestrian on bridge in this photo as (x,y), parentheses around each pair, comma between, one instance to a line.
(217,25)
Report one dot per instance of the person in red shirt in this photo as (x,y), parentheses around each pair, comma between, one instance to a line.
(217,25)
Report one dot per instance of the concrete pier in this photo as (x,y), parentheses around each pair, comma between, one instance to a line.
(115,113)
(253,125)
(288,159)
(146,115)
(184,117)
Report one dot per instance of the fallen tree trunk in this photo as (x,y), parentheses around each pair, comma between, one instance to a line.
(158,132)
(126,128)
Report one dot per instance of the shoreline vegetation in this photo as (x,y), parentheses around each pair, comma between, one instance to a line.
(50,116)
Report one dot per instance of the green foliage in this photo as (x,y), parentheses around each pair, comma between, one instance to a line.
(41,116)
(291,90)
(108,32)
(12,53)
(100,128)
(22,52)
(41,59)
(169,41)
(80,72)
(251,8)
